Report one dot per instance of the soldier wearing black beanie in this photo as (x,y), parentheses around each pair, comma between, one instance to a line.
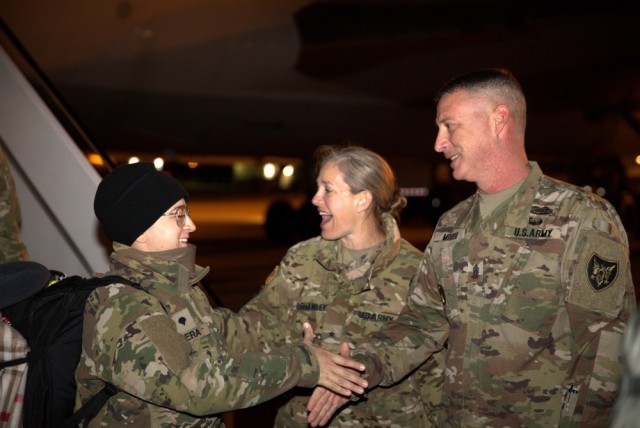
(132,197)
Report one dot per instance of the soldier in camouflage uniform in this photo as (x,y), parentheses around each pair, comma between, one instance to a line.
(12,344)
(348,283)
(163,346)
(11,246)
(528,279)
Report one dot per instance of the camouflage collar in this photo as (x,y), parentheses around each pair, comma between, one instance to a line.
(468,210)
(525,197)
(173,271)
(360,272)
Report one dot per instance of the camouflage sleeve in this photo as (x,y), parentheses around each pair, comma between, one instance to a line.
(403,344)
(266,312)
(599,301)
(137,348)
(238,334)
(12,247)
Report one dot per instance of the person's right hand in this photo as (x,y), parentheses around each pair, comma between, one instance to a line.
(337,373)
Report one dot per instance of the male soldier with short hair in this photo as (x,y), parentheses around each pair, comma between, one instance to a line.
(527,283)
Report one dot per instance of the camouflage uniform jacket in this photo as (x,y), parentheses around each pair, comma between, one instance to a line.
(537,295)
(164,348)
(346,302)
(11,246)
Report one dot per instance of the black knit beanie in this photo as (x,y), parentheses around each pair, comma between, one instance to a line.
(21,279)
(132,198)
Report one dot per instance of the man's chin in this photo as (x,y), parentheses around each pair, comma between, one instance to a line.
(458,175)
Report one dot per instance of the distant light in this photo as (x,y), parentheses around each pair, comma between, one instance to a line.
(192,165)
(134,159)
(145,33)
(95,159)
(601,192)
(435,203)
(158,163)
(286,178)
(588,188)
(638,159)
(419,192)
(269,171)
(288,171)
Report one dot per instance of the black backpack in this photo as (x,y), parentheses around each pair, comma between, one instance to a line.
(51,322)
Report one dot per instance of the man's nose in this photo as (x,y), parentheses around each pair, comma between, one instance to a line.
(441,141)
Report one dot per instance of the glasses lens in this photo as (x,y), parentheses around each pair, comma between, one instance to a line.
(181,215)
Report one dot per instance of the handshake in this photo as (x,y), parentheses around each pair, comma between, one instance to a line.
(340,378)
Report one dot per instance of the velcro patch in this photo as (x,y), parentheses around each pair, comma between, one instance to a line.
(594,284)
(172,346)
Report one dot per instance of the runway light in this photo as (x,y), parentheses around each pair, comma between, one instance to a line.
(286,178)
(288,171)
(158,163)
(269,171)
(192,165)
(134,159)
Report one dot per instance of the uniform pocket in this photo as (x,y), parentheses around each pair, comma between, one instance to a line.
(443,264)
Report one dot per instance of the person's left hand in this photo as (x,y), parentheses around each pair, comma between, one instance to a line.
(337,373)
(322,405)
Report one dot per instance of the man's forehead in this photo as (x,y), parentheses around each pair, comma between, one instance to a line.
(447,101)
(460,100)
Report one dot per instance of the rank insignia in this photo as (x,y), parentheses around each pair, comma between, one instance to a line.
(602,273)
(535,221)
(540,210)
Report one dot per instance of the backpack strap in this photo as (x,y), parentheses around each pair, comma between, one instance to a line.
(90,409)
(10,363)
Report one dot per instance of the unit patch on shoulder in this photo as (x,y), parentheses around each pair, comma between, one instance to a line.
(601,273)
(599,284)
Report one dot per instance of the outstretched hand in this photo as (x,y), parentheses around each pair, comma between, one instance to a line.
(324,403)
(337,373)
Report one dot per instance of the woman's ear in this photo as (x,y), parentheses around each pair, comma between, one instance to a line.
(363,200)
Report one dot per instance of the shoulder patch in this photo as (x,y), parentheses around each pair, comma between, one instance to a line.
(596,284)
(602,273)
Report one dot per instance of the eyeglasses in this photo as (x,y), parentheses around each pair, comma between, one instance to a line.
(180,214)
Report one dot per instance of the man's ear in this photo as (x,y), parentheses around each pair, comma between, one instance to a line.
(142,238)
(500,118)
